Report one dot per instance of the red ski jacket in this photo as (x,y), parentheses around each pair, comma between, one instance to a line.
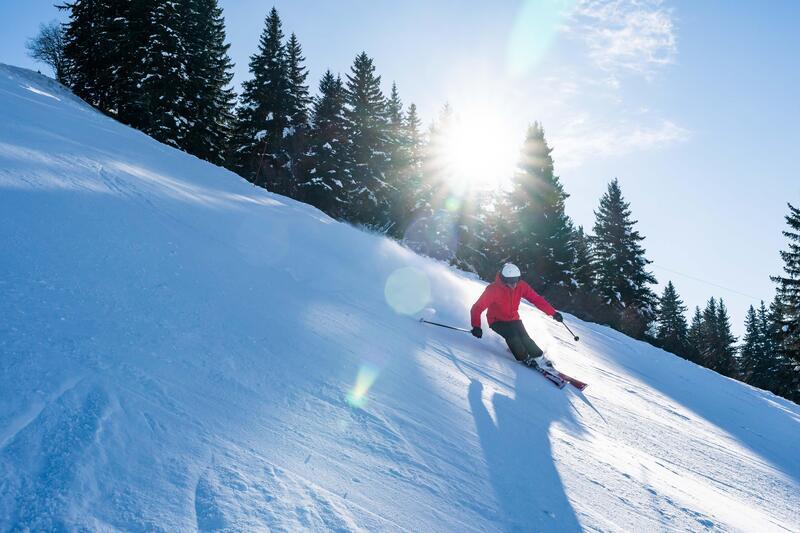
(503,302)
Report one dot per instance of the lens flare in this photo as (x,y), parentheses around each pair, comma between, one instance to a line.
(367,374)
(407,290)
(452,204)
(536,26)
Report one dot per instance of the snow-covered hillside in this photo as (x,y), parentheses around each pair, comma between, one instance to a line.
(180,350)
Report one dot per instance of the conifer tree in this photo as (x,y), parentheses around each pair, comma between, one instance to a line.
(159,66)
(93,45)
(711,336)
(769,330)
(367,129)
(758,358)
(411,200)
(209,114)
(696,338)
(296,137)
(620,265)
(726,354)
(477,233)
(398,171)
(583,268)
(671,332)
(163,78)
(259,153)
(431,192)
(540,235)
(328,180)
(717,348)
(788,311)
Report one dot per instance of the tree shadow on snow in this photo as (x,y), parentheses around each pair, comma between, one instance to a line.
(518,454)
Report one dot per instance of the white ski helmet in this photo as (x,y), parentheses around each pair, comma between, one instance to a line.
(510,273)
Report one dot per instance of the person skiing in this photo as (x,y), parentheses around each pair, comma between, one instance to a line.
(502,299)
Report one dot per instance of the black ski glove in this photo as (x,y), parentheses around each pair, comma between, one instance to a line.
(557,317)
(477,332)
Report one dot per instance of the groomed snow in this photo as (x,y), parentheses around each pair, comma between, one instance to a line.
(180,350)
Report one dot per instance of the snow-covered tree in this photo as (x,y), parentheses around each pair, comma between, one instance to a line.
(430,195)
(327,178)
(758,357)
(263,115)
(717,347)
(295,137)
(477,234)
(367,130)
(210,98)
(409,200)
(788,310)
(94,45)
(540,238)
(583,264)
(672,329)
(695,337)
(397,173)
(620,264)
(159,66)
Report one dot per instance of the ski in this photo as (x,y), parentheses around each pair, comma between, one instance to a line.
(578,384)
(552,377)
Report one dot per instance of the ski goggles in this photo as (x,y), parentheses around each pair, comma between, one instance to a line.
(510,281)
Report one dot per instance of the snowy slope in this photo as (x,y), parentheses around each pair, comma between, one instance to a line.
(180,350)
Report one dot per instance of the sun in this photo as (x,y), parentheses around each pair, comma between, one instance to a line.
(479,149)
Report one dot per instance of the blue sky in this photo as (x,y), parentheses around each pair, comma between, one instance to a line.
(688,103)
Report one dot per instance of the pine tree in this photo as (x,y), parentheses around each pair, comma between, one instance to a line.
(476,235)
(92,40)
(621,267)
(410,201)
(259,149)
(750,353)
(163,78)
(397,174)
(296,138)
(541,233)
(711,336)
(367,129)
(671,332)
(209,114)
(583,265)
(437,220)
(726,354)
(585,302)
(717,350)
(788,316)
(758,359)
(328,180)
(415,142)
(696,338)
(769,330)
(431,191)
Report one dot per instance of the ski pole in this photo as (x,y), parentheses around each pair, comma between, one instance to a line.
(573,335)
(445,326)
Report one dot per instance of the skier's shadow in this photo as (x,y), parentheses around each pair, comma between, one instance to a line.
(518,454)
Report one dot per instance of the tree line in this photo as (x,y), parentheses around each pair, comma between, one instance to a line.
(162,66)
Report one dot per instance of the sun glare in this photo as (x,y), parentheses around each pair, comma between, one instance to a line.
(479,150)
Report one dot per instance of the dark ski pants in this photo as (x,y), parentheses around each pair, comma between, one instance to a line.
(518,340)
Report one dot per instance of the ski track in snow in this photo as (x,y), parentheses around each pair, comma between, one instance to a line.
(183,351)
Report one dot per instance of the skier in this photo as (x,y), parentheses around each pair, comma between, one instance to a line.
(502,298)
